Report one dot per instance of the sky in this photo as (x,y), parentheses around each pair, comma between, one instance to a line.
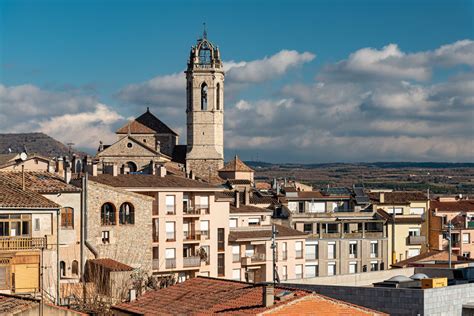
(306,81)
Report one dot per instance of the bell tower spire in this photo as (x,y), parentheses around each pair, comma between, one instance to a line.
(205,108)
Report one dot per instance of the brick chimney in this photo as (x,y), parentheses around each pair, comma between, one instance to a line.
(268,293)
(237,199)
(162,171)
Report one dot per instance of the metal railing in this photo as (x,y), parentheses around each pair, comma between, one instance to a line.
(191,235)
(155,264)
(416,240)
(22,243)
(191,211)
(258,257)
(205,234)
(194,261)
(171,263)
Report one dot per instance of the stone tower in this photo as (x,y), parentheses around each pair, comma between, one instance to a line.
(205,109)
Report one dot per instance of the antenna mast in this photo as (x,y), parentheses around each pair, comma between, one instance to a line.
(274,246)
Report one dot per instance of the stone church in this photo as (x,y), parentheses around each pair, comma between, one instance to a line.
(147,142)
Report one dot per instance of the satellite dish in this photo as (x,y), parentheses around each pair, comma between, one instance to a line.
(23,156)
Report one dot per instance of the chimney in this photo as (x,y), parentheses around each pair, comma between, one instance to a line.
(268,293)
(94,168)
(162,171)
(158,146)
(59,165)
(114,169)
(246,196)
(152,167)
(382,197)
(67,171)
(237,199)
(73,164)
(132,295)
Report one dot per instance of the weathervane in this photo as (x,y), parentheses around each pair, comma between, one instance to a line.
(204,33)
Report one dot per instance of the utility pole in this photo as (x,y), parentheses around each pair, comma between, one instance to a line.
(41,282)
(274,248)
(394,253)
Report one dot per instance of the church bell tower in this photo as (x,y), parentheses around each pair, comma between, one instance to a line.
(205,109)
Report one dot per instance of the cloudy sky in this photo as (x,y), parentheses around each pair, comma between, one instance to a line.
(306,81)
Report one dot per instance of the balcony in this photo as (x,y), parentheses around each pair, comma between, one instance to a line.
(374,235)
(256,258)
(22,243)
(191,211)
(171,263)
(191,261)
(191,236)
(330,235)
(202,208)
(416,240)
(235,257)
(155,264)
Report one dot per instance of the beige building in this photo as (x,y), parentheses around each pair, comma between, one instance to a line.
(237,172)
(13,162)
(205,109)
(342,236)
(460,214)
(406,225)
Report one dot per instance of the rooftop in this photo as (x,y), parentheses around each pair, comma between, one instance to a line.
(398,197)
(13,305)
(431,256)
(42,182)
(111,264)
(149,181)
(264,232)
(236,165)
(249,209)
(203,295)
(454,206)
(145,124)
(399,219)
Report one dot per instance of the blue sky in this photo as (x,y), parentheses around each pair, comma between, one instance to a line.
(77,54)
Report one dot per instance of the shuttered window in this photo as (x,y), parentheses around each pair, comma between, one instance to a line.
(67,217)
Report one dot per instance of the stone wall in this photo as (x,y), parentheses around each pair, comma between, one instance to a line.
(204,168)
(130,244)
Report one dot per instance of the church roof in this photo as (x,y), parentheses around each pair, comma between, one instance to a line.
(146,123)
(236,165)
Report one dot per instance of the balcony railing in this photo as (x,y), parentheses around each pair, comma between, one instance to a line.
(155,264)
(416,240)
(330,235)
(204,208)
(255,258)
(191,235)
(191,211)
(373,234)
(22,243)
(171,263)
(191,261)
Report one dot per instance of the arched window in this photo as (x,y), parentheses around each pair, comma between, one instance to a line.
(107,214)
(62,269)
(218,96)
(204,96)
(67,218)
(132,167)
(75,268)
(126,214)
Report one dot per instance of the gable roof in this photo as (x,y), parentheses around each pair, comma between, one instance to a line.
(398,197)
(454,206)
(399,219)
(432,255)
(12,196)
(137,142)
(12,304)
(145,124)
(42,182)
(236,165)
(248,209)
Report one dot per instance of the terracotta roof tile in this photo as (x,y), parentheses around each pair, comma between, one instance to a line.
(432,255)
(455,206)
(111,264)
(398,197)
(401,219)
(264,232)
(12,196)
(13,305)
(248,209)
(236,165)
(149,181)
(135,127)
(42,182)
(147,123)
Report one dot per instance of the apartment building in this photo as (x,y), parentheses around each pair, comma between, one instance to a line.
(29,229)
(250,240)
(405,214)
(460,214)
(343,234)
(189,227)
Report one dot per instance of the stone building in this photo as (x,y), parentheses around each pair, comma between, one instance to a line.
(205,109)
(236,169)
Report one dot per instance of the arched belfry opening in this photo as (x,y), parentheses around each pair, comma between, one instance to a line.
(218,96)
(203,96)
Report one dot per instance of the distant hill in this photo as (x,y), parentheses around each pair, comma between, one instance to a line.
(383,165)
(37,143)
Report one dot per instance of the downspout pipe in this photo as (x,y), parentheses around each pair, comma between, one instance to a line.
(89,246)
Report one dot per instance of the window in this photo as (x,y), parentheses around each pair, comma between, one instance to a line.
(374,266)
(331,250)
(254,221)
(414,231)
(249,250)
(299,271)
(62,269)
(353,249)
(37,224)
(4,278)
(413,252)
(236,274)
(207,251)
(374,249)
(284,251)
(235,253)
(126,214)
(284,273)
(233,223)
(398,210)
(107,214)
(311,250)
(204,96)
(308,228)
(311,271)
(220,239)
(299,249)
(129,145)
(331,268)
(170,231)
(156,257)
(105,237)
(75,268)
(204,203)
(220,264)
(15,225)
(155,229)
(132,167)
(170,258)
(466,238)
(466,254)
(218,96)
(317,207)
(205,229)
(417,210)
(170,204)
(352,267)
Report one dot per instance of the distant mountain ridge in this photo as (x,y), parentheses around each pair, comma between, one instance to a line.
(37,143)
(383,165)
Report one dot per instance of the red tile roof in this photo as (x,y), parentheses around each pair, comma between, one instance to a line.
(111,264)
(42,182)
(398,197)
(145,124)
(455,206)
(432,255)
(149,181)
(249,209)
(12,196)
(402,219)
(13,305)
(265,232)
(236,165)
